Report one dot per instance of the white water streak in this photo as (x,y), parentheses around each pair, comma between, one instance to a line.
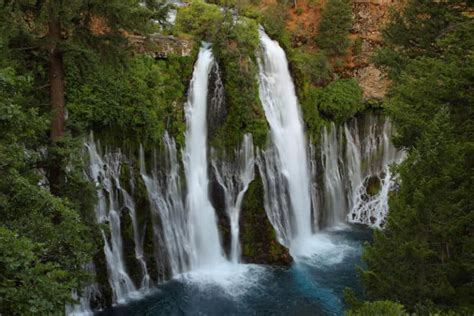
(206,247)
(234,177)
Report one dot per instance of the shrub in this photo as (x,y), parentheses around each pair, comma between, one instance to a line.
(340,100)
(315,67)
(200,19)
(377,308)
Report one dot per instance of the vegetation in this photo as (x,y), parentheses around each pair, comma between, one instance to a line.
(131,104)
(336,21)
(386,308)
(67,68)
(235,44)
(44,241)
(47,232)
(424,257)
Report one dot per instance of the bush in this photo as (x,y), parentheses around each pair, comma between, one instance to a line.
(135,103)
(379,308)
(315,67)
(235,50)
(340,100)
(274,20)
(200,19)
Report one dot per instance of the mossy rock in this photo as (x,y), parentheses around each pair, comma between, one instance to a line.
(373,186)
(258,238)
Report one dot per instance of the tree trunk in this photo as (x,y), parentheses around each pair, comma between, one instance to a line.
(57,103)
(56,80)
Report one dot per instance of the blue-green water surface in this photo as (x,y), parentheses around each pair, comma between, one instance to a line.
(311,286)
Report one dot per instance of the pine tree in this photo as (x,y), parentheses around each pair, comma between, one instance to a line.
(50,29)
(424,258)
(336,21)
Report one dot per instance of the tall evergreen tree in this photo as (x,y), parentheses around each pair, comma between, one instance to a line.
(336,21)
(424,258)
(50,29)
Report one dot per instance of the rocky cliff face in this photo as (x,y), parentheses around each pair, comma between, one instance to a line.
(369,19)
(161,46)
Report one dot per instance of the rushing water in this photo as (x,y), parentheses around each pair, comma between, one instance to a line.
(206,246)
(312,287)
(234,177)
(104,171)
(285,163)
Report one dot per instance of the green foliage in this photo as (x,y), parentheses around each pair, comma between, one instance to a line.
(273,20)
(378,308)
(43,242)
(424,258)
(414,31)
(236,50)
(130,104)
(336,21)
(308,98)
(315,67)
(340,100)
(201,19)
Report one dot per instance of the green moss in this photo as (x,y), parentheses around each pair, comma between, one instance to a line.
(373,186)
(234,46)
(258,238)
(236,55)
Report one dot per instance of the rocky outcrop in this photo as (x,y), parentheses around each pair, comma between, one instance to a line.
(162,46)
(369,19)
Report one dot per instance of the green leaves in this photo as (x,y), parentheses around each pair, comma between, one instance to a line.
(420,259)
(336,21)
(340,100)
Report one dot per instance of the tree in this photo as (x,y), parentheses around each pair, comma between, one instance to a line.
(43,241)
(413,31)
(424,257)
(336,21)
(54,28)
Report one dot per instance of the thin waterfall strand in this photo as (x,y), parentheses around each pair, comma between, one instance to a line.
(234,177)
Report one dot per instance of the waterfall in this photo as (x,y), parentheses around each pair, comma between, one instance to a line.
(379,153)
(138,239)
(284,167)
(234,177)
(205,243)
(166,202)
(353,159)
(104,171)
(90,293)
(334,194)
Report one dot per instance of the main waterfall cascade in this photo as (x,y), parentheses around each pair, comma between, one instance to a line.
(288,202)
(206,245)
(307,188)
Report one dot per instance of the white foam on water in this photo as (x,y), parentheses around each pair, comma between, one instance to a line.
(322,250)
(232,279)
